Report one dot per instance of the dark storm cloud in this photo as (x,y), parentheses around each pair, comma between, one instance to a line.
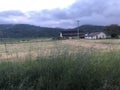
(51,18)
(100,12)
(97,12)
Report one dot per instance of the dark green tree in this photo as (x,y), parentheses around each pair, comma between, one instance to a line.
(112,30)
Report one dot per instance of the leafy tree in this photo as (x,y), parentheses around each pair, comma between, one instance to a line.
(113,30)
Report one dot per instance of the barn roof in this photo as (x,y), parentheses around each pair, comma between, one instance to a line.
(71,33)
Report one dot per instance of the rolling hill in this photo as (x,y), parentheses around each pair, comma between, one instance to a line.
(90,28)
(31,31)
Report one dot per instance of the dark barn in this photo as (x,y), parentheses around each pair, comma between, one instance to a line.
(71,34)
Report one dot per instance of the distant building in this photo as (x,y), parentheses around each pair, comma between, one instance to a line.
(96,35)
(71,34)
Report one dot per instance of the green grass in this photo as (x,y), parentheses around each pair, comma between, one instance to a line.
(81,71)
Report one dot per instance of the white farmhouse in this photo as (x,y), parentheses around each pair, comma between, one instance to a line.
(96,35)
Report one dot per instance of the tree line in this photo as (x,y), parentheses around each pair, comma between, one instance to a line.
(112,30)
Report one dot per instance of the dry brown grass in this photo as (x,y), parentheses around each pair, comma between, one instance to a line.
(96,44)
(50,48)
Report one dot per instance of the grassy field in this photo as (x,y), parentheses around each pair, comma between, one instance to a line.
(60,65)
(38,47)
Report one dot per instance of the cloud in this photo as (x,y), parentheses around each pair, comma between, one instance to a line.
(10,13)
(100,12)
(97,12)
(35,5)
(13,17)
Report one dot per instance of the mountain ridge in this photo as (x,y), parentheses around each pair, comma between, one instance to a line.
(32,31)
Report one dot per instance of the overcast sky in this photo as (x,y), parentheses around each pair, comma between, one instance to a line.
(60,13)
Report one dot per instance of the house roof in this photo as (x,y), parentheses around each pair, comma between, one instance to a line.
(93,34)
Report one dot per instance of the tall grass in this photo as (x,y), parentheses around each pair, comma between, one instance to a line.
(81,71)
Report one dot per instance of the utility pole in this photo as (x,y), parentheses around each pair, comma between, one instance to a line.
(78,22)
